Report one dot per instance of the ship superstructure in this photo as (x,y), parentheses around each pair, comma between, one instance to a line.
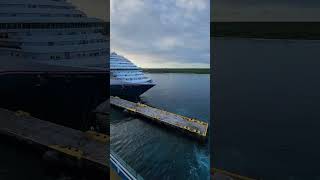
(126,79)
(51,32)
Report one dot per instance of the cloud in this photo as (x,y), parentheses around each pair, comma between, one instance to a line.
(167,43)
(162,33)
(125,9)
(192,5)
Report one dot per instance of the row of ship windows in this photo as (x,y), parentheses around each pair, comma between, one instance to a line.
(118,61)
(35,6)
(128,79)
(13,34)
(77,43)
(137,71)
(68,55)
(125,75)
(133,72)
(122,69)
(118,57)
(121,62)
(48,25)
(123,65)
(59,56)
(39,15)
(62,43)
(127,72)
(130,67)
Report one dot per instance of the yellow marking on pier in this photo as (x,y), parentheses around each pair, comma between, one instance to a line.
(22,113)
(97,136)
(192,126)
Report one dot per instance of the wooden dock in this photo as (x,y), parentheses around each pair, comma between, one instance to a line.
(192,126)
(89,149)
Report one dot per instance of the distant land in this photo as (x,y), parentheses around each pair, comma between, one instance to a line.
(178,70)
(267,30)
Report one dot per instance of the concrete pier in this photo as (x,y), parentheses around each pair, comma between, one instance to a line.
(189,125)
(90,149)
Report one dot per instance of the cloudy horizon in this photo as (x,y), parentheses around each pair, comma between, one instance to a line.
(162,33)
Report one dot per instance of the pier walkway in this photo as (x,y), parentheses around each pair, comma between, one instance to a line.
(89,148)
(192,126)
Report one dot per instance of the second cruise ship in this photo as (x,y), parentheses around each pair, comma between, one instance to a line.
(126,79)
(53,60)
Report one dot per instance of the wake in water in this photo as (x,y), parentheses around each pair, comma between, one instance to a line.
(202,165)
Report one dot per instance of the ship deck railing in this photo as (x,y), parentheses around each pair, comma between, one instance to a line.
(122,168)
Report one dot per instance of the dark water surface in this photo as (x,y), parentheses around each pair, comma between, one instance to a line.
(267,99)
(159,153)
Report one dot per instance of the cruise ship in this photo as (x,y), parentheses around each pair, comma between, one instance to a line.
(126,79)
(51,32)
(52,57)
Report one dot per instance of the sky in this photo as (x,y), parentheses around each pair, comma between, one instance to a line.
(265,10)
(162,33)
